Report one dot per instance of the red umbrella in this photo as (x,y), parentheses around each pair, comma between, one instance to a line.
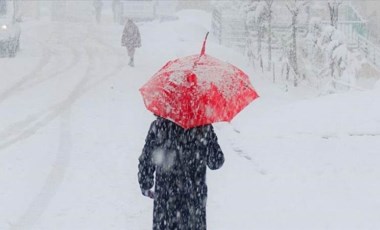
(198,90)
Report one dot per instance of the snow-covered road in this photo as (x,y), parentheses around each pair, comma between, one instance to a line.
(38,105)
(72,125)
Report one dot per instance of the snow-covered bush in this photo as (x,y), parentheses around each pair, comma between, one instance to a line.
(257,18)
(329,61)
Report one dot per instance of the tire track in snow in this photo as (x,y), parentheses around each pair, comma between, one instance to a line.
(53,180)
(19,126)
(119,66)
(29,80)
(45,60)
(54,111)
(74,61)
(12,136)
(56,175)
(57,40)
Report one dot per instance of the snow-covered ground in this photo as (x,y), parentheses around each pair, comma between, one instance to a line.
(72,125)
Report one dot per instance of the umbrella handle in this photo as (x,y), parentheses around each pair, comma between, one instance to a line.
(204,45)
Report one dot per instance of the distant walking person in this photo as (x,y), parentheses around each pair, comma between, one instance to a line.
(98,5)
(117,9)
(131,39)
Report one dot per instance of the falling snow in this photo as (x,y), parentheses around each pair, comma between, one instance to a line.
(73,122)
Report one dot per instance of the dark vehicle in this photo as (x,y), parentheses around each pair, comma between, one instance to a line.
(9,38)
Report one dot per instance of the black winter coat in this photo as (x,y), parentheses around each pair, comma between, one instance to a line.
(179,158)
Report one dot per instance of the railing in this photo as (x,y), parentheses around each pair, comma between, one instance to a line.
(351,30)
(216,25)
(369,50)
(230,30)
(356,32)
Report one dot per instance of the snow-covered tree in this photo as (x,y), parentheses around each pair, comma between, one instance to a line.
(259,24)
(334,12)
(269,4)
(330,60)
(255,17)
(294,7)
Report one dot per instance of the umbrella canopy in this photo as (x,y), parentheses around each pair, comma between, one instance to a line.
(198,90)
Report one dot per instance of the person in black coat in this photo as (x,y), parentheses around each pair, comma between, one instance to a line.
(178,157)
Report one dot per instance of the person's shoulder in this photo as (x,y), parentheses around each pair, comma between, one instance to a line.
(154,123)
(207,128)
(158,122)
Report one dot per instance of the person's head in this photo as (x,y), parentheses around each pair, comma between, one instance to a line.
(129,20)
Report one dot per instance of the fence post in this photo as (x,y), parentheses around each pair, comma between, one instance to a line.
(374,56)
(358,43)
(287,71)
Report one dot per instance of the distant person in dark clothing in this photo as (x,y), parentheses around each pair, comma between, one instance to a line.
(131,39)
(117,10)
(179,158)
(98,5)
(3,7)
